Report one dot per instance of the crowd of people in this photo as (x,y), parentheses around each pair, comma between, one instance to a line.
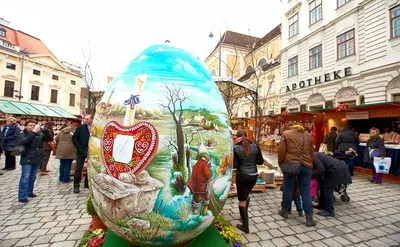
(35,144)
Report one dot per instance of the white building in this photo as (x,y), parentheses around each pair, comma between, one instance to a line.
(339,51)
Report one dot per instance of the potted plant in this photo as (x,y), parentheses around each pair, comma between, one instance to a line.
(96,221)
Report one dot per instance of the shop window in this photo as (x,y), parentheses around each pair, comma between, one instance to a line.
(9,88)
(316,57)
(315,11)
(395,21)
(71,99)
(352,103)
(316,107)
(303,108)
(55,77)
(340,3)
(10,66)
(329,104)
(293,66)
(293,25)
(53,96)
(36,72)
(35,93)
(294,110)
(345,44)
(396,97)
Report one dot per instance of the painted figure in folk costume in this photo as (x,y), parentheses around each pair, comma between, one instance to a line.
(133,101)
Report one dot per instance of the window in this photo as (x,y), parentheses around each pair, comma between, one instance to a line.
(53,96)
(395,21)
(315,11)
(36,72)
(293,25)
(55,77)
(345,44)
(316,57)
(71,99)
(35,93)
(73,82)
(10,66)
(9,89)
(340,3)
(2,32)
(293,66)
(396,97)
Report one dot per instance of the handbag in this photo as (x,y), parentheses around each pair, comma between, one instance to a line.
(18,150)
(382,165)
(293,169)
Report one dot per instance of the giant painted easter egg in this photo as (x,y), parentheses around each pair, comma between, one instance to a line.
(160,161)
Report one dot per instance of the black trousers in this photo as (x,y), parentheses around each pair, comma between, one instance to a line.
(80,161)
(10,160)
(244,185)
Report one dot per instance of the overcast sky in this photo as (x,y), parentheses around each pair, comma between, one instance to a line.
(118,30)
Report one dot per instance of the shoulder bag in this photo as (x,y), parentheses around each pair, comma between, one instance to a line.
(293,169)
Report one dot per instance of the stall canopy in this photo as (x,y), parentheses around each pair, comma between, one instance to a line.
(33,109)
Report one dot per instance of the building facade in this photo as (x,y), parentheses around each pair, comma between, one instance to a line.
(341,51)
(30,72)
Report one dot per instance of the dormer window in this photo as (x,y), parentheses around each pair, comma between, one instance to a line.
(2,32)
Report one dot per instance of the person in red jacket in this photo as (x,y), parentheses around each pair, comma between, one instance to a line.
(199,182)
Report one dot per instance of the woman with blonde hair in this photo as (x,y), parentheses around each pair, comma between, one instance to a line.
(375,149)
(10,137)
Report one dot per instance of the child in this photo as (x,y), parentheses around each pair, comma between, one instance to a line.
(295,197)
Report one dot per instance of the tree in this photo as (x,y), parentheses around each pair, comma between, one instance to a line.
(175,98)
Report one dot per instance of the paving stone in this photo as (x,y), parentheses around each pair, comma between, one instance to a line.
(279,242)
(287,231)
(315,235)
(352,238)
(332,230)
(304,238)
(14,228)
(267,243)
(331,243)
(18,234)
(292,240)
(388,241)
(364,235)
(355,226)
(275,233)
(77,235)
(255,244)
(56,230)
(45,239)
(39,232)
(60,237)
(25,241)
(252,237)
(319,244)
(377,232)
(86,221)
(341,240)
(261,226)
(9,242)
(395,237)
(377,243)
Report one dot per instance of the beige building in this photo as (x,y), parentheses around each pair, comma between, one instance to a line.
(45,80)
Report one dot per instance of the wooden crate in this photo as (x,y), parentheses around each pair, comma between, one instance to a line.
(271,186)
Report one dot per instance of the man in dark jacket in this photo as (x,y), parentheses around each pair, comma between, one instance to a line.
(333,172)
(81,143)
(30,142)
(348,140)
(330,139)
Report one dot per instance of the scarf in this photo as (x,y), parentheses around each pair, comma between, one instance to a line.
(373,138)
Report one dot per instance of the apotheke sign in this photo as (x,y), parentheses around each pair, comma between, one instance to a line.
(320,79)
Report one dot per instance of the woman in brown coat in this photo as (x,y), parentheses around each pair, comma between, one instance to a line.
(65,152)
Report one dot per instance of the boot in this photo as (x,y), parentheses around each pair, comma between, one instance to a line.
(309,220)
(204,209)
(300,213)
(247,203)
(245,219)
(284,213)
(326,213)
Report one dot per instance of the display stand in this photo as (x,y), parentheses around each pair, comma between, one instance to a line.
(210,237)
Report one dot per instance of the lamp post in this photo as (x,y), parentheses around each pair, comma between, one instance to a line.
(211,35)
(19,96)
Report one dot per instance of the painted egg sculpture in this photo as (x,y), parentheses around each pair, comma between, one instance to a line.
(160,159)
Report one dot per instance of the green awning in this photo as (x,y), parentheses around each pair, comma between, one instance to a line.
(28,108)
(7,107)
(60,111)
(46,110)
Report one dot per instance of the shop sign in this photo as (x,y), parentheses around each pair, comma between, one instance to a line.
(357,115)
(338,74)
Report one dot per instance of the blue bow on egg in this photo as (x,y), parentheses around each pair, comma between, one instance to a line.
(132,101)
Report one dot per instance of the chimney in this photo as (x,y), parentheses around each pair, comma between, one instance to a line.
(4,22)
(109,79)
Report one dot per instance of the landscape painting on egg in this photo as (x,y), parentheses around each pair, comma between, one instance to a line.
(160,159)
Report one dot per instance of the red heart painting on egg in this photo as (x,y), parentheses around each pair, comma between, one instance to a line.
(128,149)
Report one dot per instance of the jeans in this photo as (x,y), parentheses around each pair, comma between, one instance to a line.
(350,165)
(65,170)
(297,202)
(304,183)
(329,199)
(80,161)
(27,181)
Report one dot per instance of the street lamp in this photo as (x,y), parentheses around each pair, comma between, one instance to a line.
(22,74)
(211,35)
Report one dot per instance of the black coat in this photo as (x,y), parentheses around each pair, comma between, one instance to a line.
(33,143)
(10,140)
(80,139)
(347,139)
(335,172)
(379,144)
(247,164)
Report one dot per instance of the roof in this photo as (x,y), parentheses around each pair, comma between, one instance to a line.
(269,36)
(265,67)
(26,42)
(33,109)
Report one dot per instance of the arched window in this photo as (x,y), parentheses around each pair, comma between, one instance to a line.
(262,62)
(249,69)
(213,72)
(2,32)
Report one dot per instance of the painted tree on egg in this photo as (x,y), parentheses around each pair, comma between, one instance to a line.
(175,98)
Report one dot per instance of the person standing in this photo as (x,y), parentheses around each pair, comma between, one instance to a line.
(347,140)
(31,138)
(330,140)
(296,147)
(47,149)
(66,151)
(1,147)
(246,157)
(375,149)
(80,139)
(10,134)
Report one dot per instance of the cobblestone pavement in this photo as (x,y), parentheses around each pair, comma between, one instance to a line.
(371,218)
(57,217)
